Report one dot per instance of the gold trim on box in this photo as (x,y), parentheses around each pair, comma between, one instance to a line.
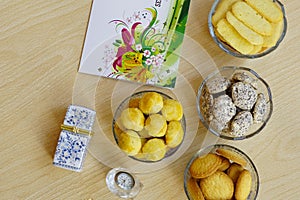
(75,129)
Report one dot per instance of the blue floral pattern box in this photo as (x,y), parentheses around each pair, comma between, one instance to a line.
(74,138)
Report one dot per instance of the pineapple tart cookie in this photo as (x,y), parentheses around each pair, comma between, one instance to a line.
(130,142)
(172,110)
(132,118)
(151,102)
(156,125)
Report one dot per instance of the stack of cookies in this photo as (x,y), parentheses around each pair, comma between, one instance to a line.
(221,174)
(231,106)
(248,26)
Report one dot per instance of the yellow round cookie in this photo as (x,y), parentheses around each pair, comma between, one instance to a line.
(174,134)
(205,166)
(217,186)
(132,118)
(130,142)
(154,149)
(243,185)
(151,102)
(156,125)
(194,189)
(172,110)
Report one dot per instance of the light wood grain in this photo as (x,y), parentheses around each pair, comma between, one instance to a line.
(40,48)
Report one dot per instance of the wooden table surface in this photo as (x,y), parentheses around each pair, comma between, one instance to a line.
(40,49)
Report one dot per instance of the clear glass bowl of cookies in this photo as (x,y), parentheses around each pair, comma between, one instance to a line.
(221,171)
(234,103)
(247,29)
(149,126)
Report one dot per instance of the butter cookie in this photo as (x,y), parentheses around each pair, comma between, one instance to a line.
(225,164)
(217,186)
(233,156)
(234,171)
(243,185)
(205,165)
(194,189)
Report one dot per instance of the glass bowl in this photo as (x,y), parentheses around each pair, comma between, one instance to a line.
(229,118)
(156,147)
(280,34)
(249,165)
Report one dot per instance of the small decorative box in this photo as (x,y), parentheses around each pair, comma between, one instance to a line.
(74,138)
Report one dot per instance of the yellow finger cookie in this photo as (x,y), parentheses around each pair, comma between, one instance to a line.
(267,8)
(205,165)
(221,10)
(251,18)
(243,185)
(247,33)
(217,186)
(233,38)
(270,41)
(257,49)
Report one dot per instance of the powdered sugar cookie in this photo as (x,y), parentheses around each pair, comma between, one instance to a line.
(260,108)
(241,123)
(223,109)
(218,84)
(243,95)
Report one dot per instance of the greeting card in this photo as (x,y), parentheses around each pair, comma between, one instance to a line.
(135,40)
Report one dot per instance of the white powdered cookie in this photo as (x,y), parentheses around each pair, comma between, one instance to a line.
(244,95)
(241,123)
(223,109)
(260,108)
(218,84)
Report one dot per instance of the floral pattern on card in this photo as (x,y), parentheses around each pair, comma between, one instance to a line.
(141,49)
(137,41)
